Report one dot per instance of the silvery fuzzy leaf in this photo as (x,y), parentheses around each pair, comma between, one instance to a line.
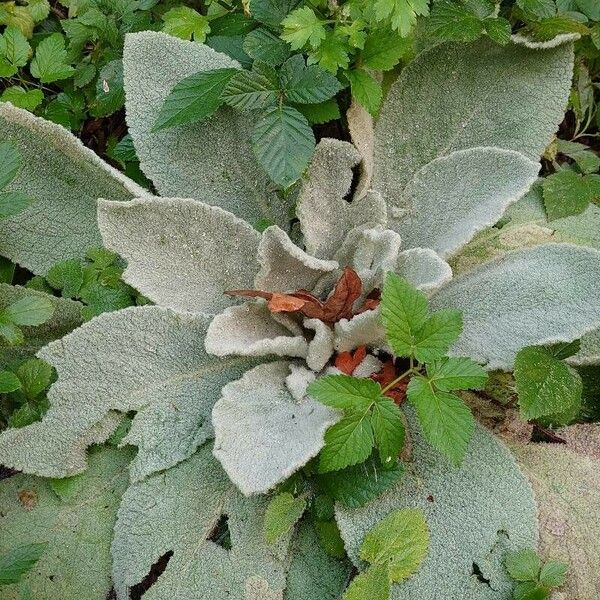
(474,515)
(364,329)
(177,511)
(313,574)
(286,268)
(211,161)
(320,348)
(181,254)
(298,380)
(75,517)
(66,317)
(424,268)
(360,126)
(262,435)
(558,40)
(147,359)
(480,95)
(326,217)
(65,179)
(589,353)
(566,482)
(453,197)
(249,329)
(535,296)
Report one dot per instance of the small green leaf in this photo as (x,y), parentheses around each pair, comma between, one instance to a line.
(303,26)
(14,48)
(366,90)
(66,276)
(266,47)
(323,507)
(388,430)
(307,85)
(28,413)
(446,420)
(283,143)
(50,61)
(359,484)
(399,541)
(11,333)
(402,14)
(330,538)
(10,163)
(461,373)
(403,311)
(35,375)
(186,23)
(530,590)
(499,30)
(348,442)
(250,90)
(567,193)
(537,9)
(332,53)
(344,391)
(523,565)
(9,382)
(29,311)
(22,98)
(372,584)
(12,203)
(18,561)
(554,573)
(281,515)
(585,158)
(323,112)
(194,98)
(272,12)
(564,349)
(454,20)
(438,333)
(545,385)
(110,93)
(384,48)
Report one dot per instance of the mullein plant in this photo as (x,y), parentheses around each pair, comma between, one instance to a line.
(225,385)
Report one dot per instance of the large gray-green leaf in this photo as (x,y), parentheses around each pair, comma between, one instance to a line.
(313,574)
(567,488)
(262,435)
(453,197)
(589,353)
(66,317)
(325,215)
(474,515)
(65,179)
(77,526)
(147,359)
(528,297)
(211,161)
(456,96)
(177,511)
(181,254)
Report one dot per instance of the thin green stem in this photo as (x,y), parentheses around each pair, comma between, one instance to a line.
(396,381)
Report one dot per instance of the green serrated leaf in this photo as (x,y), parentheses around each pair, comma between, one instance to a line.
(384,48)
(374,584)
(272,12)
(330,538)
(251,90)
(307,85)
(35,375)
(585,158)
(347,443)
(332,53)
(28,311)
(194,98)
(22,98)
(14,48)
(399,541)
(460,373)
(366,90)
(545,385)
(110,94)
(283,512)
(186,23)
(564,349)
(283,143)
(499,30)
(344,391)
(12,203)
(445,419)
(402,14)
(523,565)
(554,573)
(403,311)
(9,382)
(18,561)
(359,484)
(28,413)
(66,276)
(388,430)
(264,46)
(11,333)
(437,334)
(10,163)
(568,193)
(454,20)
(317,114)
(50,61)
(303,26)
(537,9)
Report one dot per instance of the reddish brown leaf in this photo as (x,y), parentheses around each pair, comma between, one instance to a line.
(386,376)
(346,362)
(346,293)
(285,303)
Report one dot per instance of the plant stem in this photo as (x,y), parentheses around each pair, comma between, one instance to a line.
(389,386)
